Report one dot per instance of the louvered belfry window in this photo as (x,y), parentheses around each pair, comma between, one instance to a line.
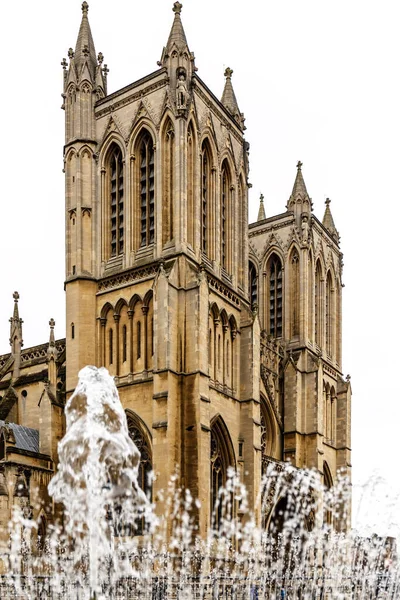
(117,202)
(204,199)
(146,191)
(275,297)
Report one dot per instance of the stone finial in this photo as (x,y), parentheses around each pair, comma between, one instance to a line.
(299,165)
(177,8)
(100,58)
(106,70)
(228,73)
(71,53)
(16,296)
(64,63)
(85,8)
(85,50)
(327,201)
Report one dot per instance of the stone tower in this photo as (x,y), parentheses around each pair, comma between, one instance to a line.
(157,261)
(224,340)
(296,284)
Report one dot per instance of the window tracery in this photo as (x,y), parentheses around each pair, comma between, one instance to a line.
(116,199)
(146,190)
(275,296)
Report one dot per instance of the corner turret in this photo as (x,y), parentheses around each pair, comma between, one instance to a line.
(177,58)
(229,99)
(299,202)
(261,210)
(85,82)
(16,341)
(329,223)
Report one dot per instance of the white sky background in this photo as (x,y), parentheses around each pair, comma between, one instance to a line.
(318,81)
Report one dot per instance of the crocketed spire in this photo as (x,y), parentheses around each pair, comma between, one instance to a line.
(299,201)
(85,52)
(177,35)
(16,341)
(328,221)
(229,99)
(261,210)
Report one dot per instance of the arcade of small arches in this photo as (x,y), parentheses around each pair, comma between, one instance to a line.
(323,298)
(223,348)
(126,335)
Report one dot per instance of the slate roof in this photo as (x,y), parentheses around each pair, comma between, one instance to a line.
(25,438)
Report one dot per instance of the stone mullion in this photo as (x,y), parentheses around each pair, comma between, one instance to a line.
(232,218)
(130,317)
(179,194)
(104,216)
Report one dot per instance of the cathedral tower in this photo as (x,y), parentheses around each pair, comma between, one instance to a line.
(156,266)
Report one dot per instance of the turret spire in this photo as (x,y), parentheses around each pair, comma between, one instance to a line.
(179,61)
(299,201)
(229,99)
(261,210)
(177,35)
(16,341)
(85,53)
(328,221)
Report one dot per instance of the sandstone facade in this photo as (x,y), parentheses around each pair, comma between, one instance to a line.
(224,338)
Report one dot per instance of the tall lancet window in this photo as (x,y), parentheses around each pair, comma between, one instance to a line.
(294,293)
(168,183)
(146,183)
(252,284)
(329,304)
(205,199)
(275,296)
(191,217)
(225,217)
(116,202)
(319,287)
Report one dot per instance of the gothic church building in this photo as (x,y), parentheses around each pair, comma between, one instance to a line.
(224,338)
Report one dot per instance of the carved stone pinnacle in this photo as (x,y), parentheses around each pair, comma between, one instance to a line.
(228,73)
(85,7)
(177,8)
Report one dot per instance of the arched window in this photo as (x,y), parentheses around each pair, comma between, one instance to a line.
(222,457)
(328,483)
(110,347)
(205,198)
(124,344)
(319,288)
(329,307)
(41,534)
(252,284)
(141,440)
(241,236)
(146,190)
(116,199)
(168,183)
(2,446)
(294,293)
(267,436)
(274,271)
(191,217)
(226,209)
